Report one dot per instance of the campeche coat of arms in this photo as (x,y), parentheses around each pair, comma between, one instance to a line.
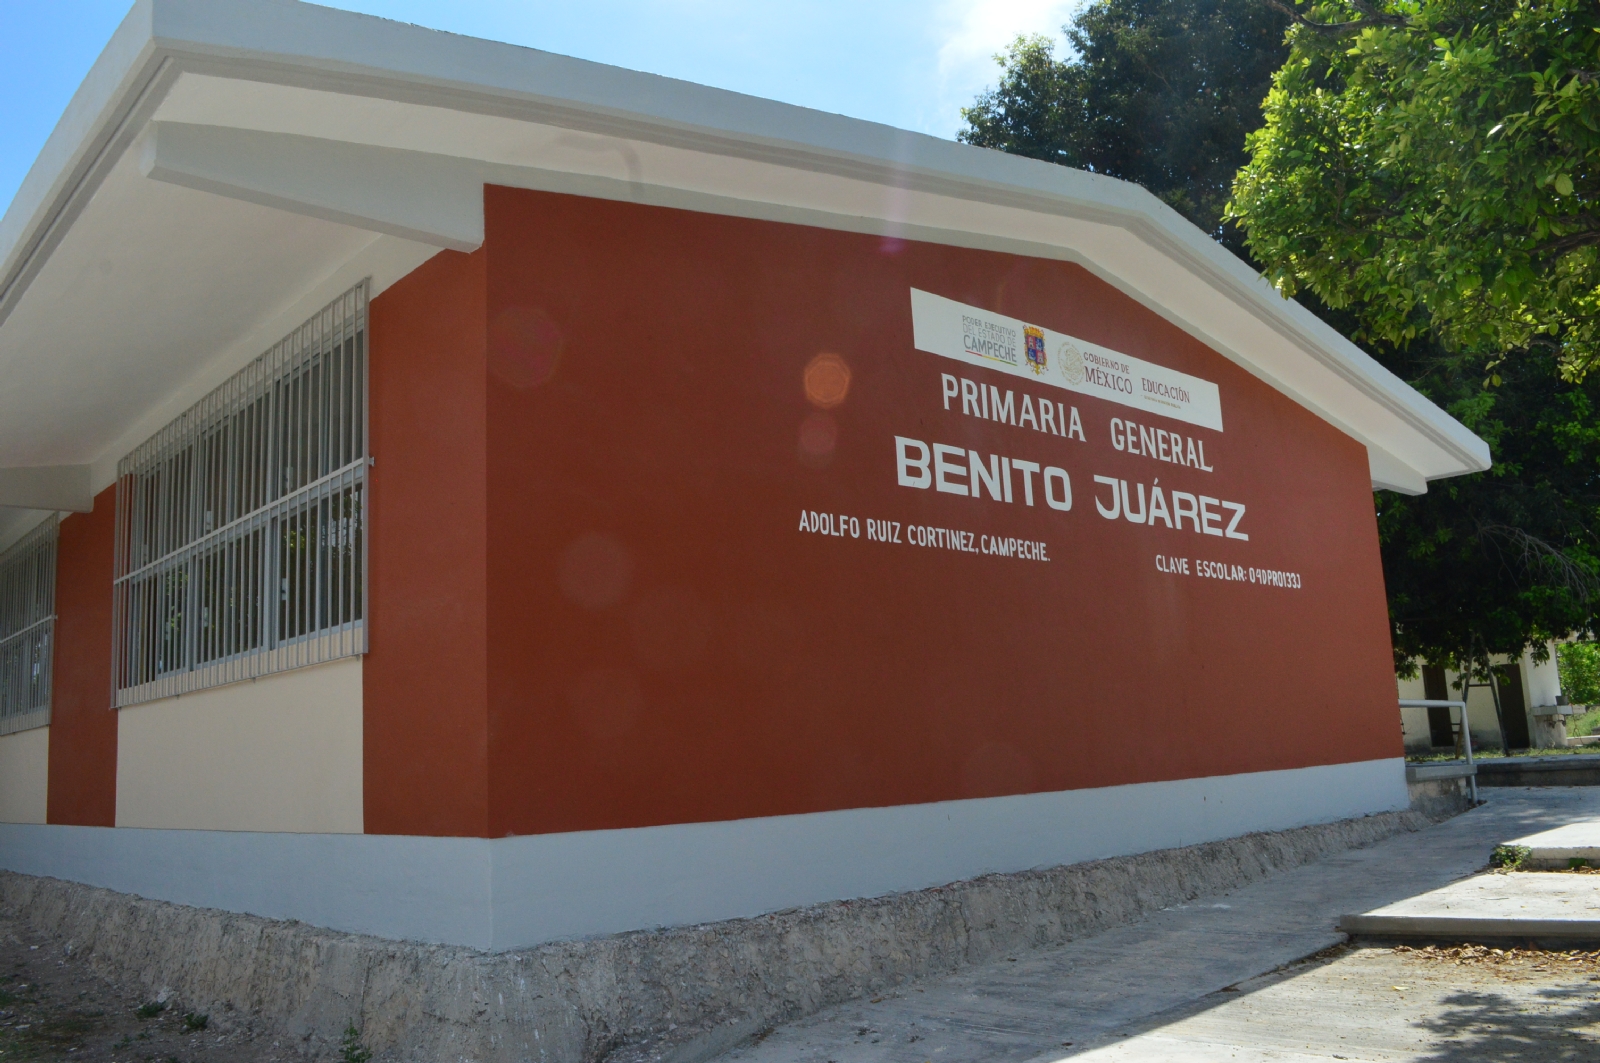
(1033,340)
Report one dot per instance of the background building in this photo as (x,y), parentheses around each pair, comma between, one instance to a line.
(1526,686)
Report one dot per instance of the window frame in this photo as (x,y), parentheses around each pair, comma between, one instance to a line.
(241,545)
(28,572)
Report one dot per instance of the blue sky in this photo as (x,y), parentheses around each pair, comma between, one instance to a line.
(910,63)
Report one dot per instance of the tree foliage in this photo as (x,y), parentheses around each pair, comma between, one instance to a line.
(1579,666)
(1434,167)
(1429,170)
(1381,184)
(1159,92)
(1505,559)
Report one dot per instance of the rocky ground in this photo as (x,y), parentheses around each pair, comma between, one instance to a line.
(1356,1002)
(53,1007)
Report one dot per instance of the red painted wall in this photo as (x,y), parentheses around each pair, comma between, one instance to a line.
(425,678)
(666,646)
(591,605)
(83,726)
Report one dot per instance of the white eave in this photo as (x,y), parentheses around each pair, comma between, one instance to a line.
(229,165)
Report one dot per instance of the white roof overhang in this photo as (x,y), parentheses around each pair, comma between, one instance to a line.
(230,165)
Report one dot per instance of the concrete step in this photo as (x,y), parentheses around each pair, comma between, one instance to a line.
(1546,907)
(1560,769)
(1557,849)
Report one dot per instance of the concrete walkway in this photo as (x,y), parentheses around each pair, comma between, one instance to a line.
(1377,1004)
(1057,1002)
(1524,905)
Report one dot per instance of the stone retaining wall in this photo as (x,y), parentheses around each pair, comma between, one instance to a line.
(680,994)
(1440,798)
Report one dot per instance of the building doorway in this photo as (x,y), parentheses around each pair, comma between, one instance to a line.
(1513,707)
(1441,729)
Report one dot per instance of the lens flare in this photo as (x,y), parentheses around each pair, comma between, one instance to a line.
(525,346)
(819,434)
(827,380)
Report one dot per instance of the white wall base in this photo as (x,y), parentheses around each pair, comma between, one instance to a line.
(513,892)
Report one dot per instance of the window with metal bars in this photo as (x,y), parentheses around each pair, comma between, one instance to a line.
(27,629)
(240,545)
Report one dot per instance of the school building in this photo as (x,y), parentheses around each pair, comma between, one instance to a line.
(454,492)
(1530,705)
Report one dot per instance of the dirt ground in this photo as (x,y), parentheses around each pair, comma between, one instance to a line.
(53,1007)
(1492,1003)
(1356,1002)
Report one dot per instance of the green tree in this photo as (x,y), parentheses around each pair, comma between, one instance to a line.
(1165,94)
(1579,665)
(1158,92)
(1505,559)
(1434,167)
(1428,170)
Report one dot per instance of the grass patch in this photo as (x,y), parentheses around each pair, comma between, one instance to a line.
(13,995)
(1491,754)
(150,1010)
(1510,857)
(67,1029)
(351,1050)
(1584,725)
(16,1046)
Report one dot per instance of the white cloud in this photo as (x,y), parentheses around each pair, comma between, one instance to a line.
(972,32)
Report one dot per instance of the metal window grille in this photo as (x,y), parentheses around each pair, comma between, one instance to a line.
(240,546)
(27,629)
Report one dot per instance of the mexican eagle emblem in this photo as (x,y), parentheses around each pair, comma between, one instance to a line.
(1071,360)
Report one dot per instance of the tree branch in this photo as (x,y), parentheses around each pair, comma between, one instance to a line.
(1557,246)
(1539,559)
(1370,16)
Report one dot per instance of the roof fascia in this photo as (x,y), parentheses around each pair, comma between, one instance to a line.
(16,523)
(120,92)
(372,56)
(58,487)
(423,198)
(308,46)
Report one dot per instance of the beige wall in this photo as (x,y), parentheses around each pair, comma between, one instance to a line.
(1480,709)
(279,753)
(24,775)
(1414,722)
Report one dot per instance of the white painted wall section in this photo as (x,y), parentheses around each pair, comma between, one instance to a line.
(281,753)
(513,892)
(24,775)
(1414,721)
(1542,679)
(701,872)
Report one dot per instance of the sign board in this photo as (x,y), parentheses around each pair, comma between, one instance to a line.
(993,341)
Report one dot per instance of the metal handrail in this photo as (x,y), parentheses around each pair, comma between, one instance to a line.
(1466,732)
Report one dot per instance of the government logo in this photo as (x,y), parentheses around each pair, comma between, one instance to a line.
(1070,359)
(1033,348)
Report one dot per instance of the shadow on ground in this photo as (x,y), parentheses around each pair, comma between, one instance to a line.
(1466,1004)
(1491,1027)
